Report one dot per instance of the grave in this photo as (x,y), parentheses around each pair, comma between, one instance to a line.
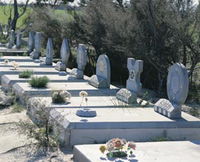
(78,73)
(24,91)
(64,53)
(19,40)
(177,91)
(133,84)
(31,36)
(16,59)
(49,52)
(35,54)
(184,151)
(102,77)
(11,42)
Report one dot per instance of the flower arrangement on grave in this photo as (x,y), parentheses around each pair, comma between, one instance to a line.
(6,61)
(83,95)
(116,148)
(15,65)
(60,96)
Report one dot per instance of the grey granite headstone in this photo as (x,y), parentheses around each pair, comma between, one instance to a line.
(49,52)
(19,40)
(78,73)
(31,41)
(37,46)
(102,77)
(64,53)
(11,42)
(177,91)
(133,84)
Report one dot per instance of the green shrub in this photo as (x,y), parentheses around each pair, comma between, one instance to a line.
(60,96)
(25,74)
(17,108)
(39,82)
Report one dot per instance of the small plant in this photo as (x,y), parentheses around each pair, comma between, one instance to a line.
(15,65)
(25,74)
(17,108)
(60,96)
(39,82)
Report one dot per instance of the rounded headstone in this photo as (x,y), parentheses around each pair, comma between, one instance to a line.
(177,83)
(65,51)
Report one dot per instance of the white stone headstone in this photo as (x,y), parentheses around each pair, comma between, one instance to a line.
(64,53)
(31,36)
(19,40)
(49,52)
(103,73)
(177,91)
(37,46)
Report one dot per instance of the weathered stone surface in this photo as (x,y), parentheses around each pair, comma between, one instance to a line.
(86,112)
(126,96)
(6,100)
(31,36)
(19,40)
(166,108)
(49,52)
(135,68)
(37,46)
(64,53)
(11,42)
(78,73)
(102,77)
(177,90)
(177,83)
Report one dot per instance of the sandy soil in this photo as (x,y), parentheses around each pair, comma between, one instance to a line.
(16,147)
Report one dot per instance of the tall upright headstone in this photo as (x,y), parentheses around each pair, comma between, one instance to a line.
(78,73)
(103,74)
(177,91)
(37,46)
(11,42)
(19,40)
(1,29)
(49,52)
(133,84)
(64,53)
(31,41)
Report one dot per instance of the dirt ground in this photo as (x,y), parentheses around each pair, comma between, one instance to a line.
(16,147)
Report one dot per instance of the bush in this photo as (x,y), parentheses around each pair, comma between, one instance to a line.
(25,74)
(60,96)
(39,82)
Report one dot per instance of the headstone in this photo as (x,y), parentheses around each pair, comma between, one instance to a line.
(177,91)
(78,73)
(49,52)
(11,42)
(19,40)
(1,29)
(133,84)
(37,46)
(102,77)
(31,41)
(64,53)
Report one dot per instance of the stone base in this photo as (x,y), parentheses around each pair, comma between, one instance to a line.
(168,109)
(35,55)
(75,74)
(126,96)
(60,66)
(86,113)
(98,82)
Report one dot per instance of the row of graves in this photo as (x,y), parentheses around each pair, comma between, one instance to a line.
(95,111)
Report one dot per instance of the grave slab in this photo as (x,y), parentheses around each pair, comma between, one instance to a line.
(24,91)
(184,151)
(16,58)
(138,124)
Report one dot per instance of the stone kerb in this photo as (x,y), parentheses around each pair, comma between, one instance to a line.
(103,73)
(177,91)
